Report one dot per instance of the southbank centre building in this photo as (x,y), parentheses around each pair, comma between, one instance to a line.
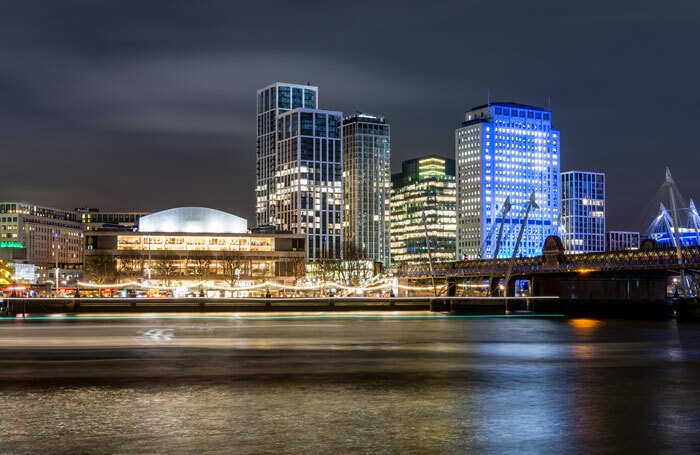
(193,248)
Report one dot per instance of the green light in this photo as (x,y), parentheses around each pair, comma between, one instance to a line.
(11,245)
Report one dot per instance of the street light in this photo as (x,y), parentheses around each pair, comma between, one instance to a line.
(55,236)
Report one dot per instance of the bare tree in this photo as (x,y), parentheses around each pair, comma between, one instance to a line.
(201,270)
(128,268)
(166,269)
(100,268)
(233,266)
(298,268)
(354,267)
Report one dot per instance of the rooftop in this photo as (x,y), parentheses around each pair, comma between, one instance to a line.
(508,104)
(193,220)
(364,117)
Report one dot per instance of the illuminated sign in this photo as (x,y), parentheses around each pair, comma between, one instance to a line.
(11,245)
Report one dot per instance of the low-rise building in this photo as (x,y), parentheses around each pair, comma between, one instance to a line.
(622,240)
(95,219)
(189,246)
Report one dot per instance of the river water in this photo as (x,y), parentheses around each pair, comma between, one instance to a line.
(348,383)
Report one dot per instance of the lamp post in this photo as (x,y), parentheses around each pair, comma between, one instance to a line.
(148,264)
(56,247)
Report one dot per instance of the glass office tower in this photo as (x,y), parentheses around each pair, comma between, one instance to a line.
(583,211)
(502,150)
(424,187)
(367,186)
(309,175)
(274,100)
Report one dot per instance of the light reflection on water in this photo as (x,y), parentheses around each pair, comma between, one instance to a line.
(330,384)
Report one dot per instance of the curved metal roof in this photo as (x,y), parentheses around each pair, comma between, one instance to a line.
(193,220)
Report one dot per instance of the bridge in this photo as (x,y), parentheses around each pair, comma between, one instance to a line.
(623,283)
(668,260)
(554,260)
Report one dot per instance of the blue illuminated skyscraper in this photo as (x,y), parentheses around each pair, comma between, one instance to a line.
(502,150)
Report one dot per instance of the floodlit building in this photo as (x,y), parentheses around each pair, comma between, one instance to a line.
(274,100)
(50,236)
(506,150)
(583,211)
(309,178)
(424,188)
(367,186)
(190,245)
(622,240)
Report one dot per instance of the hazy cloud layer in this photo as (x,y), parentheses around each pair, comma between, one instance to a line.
(149,105)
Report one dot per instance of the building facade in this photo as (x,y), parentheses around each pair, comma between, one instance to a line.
(94,219)
(309,176)
(367,186)
(622,240)
(51,237)
(583,211)
(274,100)
(423,197)
(506,150)
(200,246)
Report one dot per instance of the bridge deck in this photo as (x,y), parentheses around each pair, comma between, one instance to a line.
(632,260)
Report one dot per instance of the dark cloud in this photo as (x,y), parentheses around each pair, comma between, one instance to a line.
(148,105)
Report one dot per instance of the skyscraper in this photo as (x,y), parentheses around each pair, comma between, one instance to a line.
(367,186)
(583,211)
(424,188)
(274,100)
(506,150)
(308,182)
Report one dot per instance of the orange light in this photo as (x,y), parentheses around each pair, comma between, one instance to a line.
(586,324)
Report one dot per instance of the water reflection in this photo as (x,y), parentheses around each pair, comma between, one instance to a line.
(339,384)
(585,325)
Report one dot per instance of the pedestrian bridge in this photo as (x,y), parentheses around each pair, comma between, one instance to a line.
(553,260)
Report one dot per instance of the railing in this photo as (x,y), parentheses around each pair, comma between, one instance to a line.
(662,259)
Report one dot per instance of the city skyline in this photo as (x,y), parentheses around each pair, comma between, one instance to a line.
(370,227)
(158,120)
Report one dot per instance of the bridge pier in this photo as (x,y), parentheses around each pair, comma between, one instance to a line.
(494,289)
(451,287)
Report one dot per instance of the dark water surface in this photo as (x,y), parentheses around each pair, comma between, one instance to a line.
(348,384)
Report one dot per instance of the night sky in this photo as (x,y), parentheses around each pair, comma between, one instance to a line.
(133,105)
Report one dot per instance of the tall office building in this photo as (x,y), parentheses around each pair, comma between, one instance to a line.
(583,211)
(274,100)
(309,176)
(367,186)
(50,236)
(424,187)
(506,150)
